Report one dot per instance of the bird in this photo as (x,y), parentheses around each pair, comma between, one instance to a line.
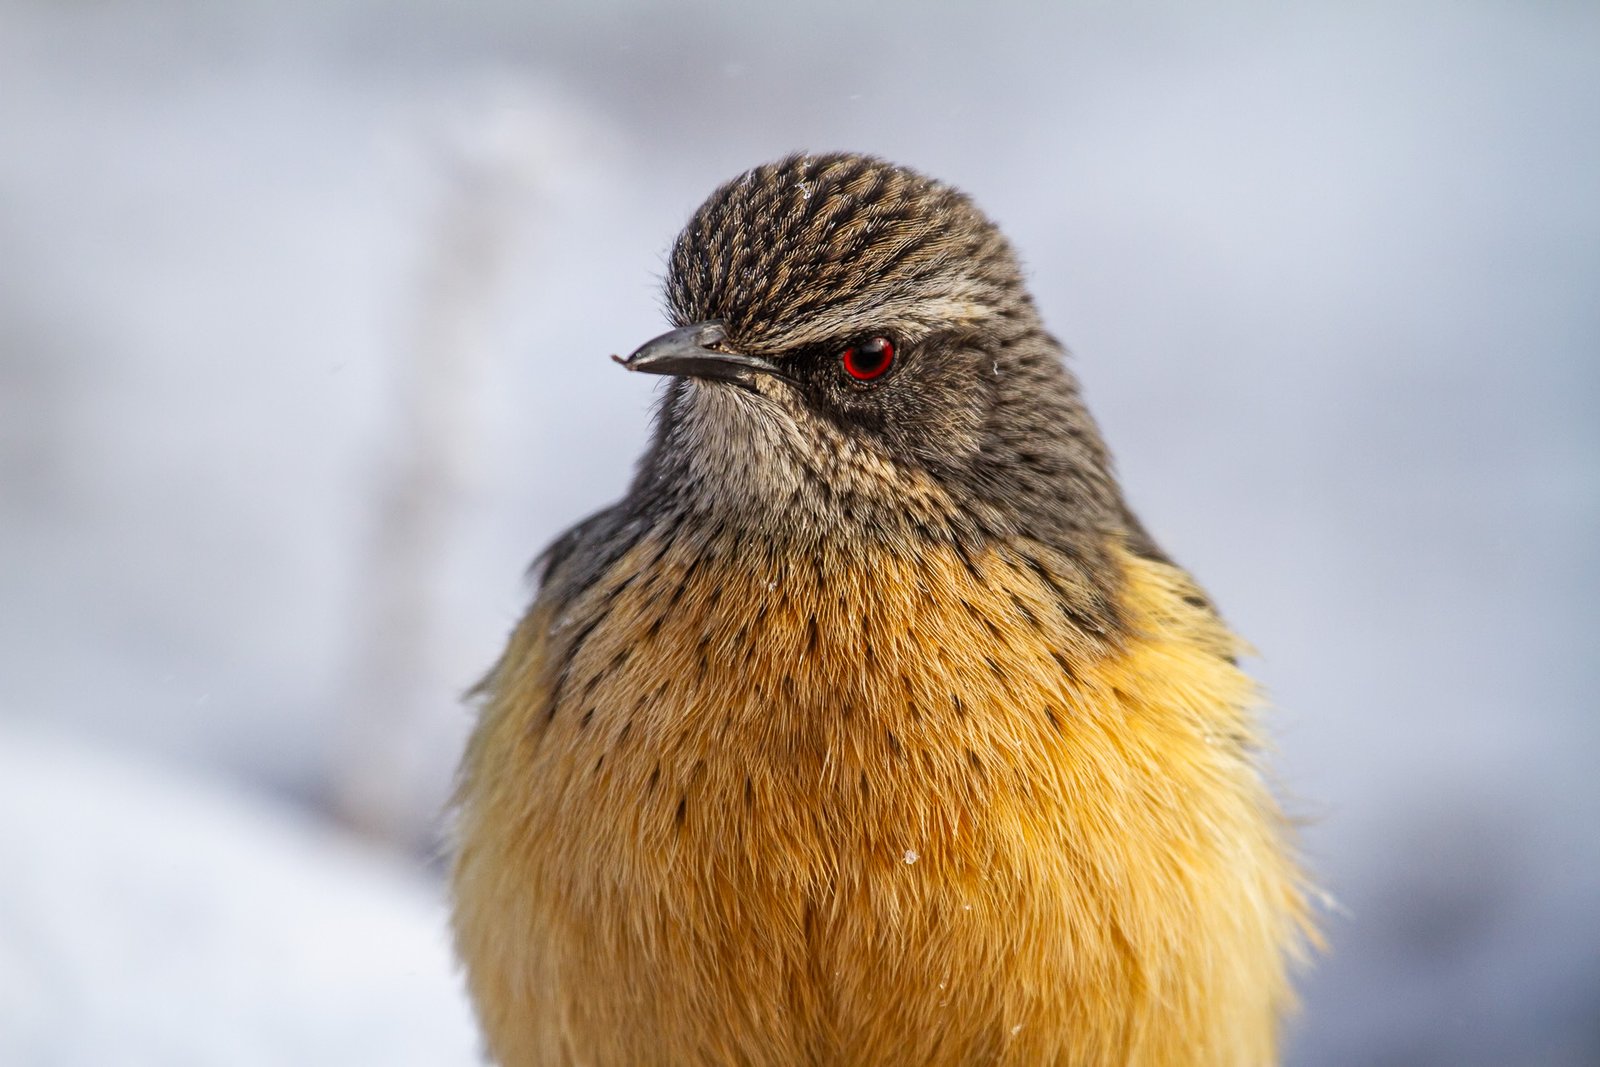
(870,726)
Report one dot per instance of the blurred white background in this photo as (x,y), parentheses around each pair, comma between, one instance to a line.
(304,317)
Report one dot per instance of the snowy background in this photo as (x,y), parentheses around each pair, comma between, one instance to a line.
(304,310)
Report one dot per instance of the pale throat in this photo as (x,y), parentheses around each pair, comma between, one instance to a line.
(761,463)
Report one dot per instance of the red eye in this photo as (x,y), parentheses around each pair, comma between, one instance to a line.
(869,359)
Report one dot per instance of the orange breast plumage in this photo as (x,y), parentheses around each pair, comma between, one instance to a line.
(879,807)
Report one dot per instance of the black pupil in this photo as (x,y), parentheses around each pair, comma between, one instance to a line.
(871,358)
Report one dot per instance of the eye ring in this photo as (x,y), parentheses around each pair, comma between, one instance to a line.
(869,360)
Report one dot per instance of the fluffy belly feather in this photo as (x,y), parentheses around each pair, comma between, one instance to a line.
(736,821)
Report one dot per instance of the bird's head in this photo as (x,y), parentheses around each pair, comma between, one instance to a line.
(855,346)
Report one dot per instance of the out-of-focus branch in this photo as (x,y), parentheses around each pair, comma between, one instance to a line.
(490,163)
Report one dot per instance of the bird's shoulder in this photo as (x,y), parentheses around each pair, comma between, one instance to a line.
(577,558)
(581,554)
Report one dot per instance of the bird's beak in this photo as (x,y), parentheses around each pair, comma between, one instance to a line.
(690,352)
